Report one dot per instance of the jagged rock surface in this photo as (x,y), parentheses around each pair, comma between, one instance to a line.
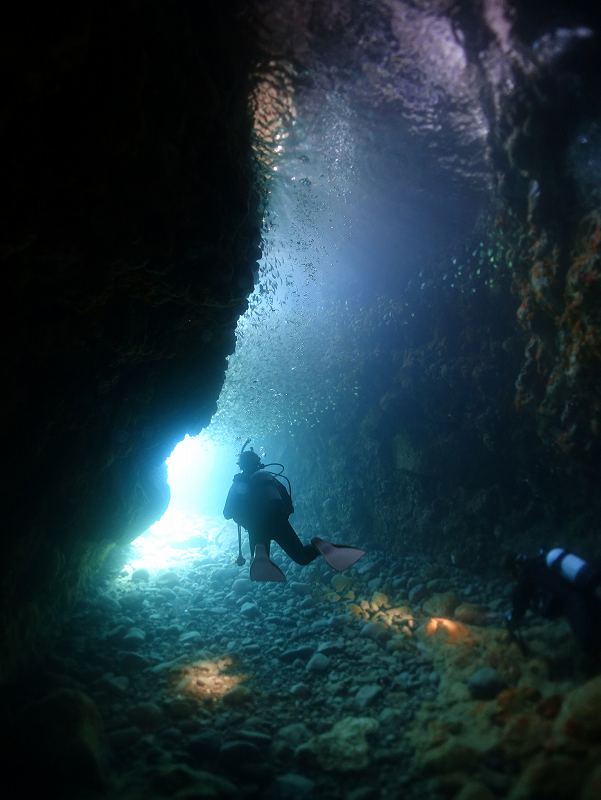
(130,240)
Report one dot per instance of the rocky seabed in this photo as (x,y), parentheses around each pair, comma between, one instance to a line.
(394,680)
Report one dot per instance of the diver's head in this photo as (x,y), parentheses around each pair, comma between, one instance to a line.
(249,461)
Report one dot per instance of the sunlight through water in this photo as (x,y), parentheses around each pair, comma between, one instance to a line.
(192,527)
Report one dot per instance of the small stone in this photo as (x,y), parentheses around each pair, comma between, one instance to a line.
(292,786)
(294,734)
(380,600)
(250,610)
(417,593)
(132,601)
(241,586)
(168,579)
(441,605)
(255,737)
(147,716)
(134,638)
(239,751)
(340,583)
(300,690)
(300,588)
(437,585)
(238,696)
(318,663)
(375,631)
(303,653)
(224,575)
(288,738)
(486,683)
(179,708)
(367,695)
(389,716)
(329,648)
(191,637)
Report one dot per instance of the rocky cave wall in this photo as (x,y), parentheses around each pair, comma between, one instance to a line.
(480,430)
(131,223)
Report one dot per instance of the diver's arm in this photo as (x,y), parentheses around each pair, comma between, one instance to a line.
(227,509)
(231,502)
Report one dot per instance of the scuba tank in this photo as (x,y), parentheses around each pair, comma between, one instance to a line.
(279,474)
(572,568)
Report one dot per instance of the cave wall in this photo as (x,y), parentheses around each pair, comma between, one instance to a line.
(480,429)
(129,246)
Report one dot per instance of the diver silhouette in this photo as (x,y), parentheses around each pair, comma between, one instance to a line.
(261,504)
(554,584)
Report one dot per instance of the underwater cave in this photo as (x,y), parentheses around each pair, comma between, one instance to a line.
(359,242)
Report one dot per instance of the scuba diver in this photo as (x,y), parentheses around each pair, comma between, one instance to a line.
(557,583)
(258,502)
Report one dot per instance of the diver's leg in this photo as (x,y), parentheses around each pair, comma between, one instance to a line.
(285,535)
(583,611)
(259,536)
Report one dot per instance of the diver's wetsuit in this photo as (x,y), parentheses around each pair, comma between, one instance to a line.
(262,505)
(545,591)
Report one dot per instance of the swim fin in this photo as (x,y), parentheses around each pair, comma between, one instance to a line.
(338,556)
(262,568)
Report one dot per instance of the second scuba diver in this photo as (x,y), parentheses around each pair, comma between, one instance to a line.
(554,584)
(258,502)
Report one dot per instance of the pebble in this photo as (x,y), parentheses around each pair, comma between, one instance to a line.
(303,653)
(417,593)
(486,683)
(204,745)
(300,690)
(367,695)
(134,638)
(250,610)
(239,751)
(300,588)
(341,583)
(291,785)
(147,716)
(318,663)
(375,631)
(191,637)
